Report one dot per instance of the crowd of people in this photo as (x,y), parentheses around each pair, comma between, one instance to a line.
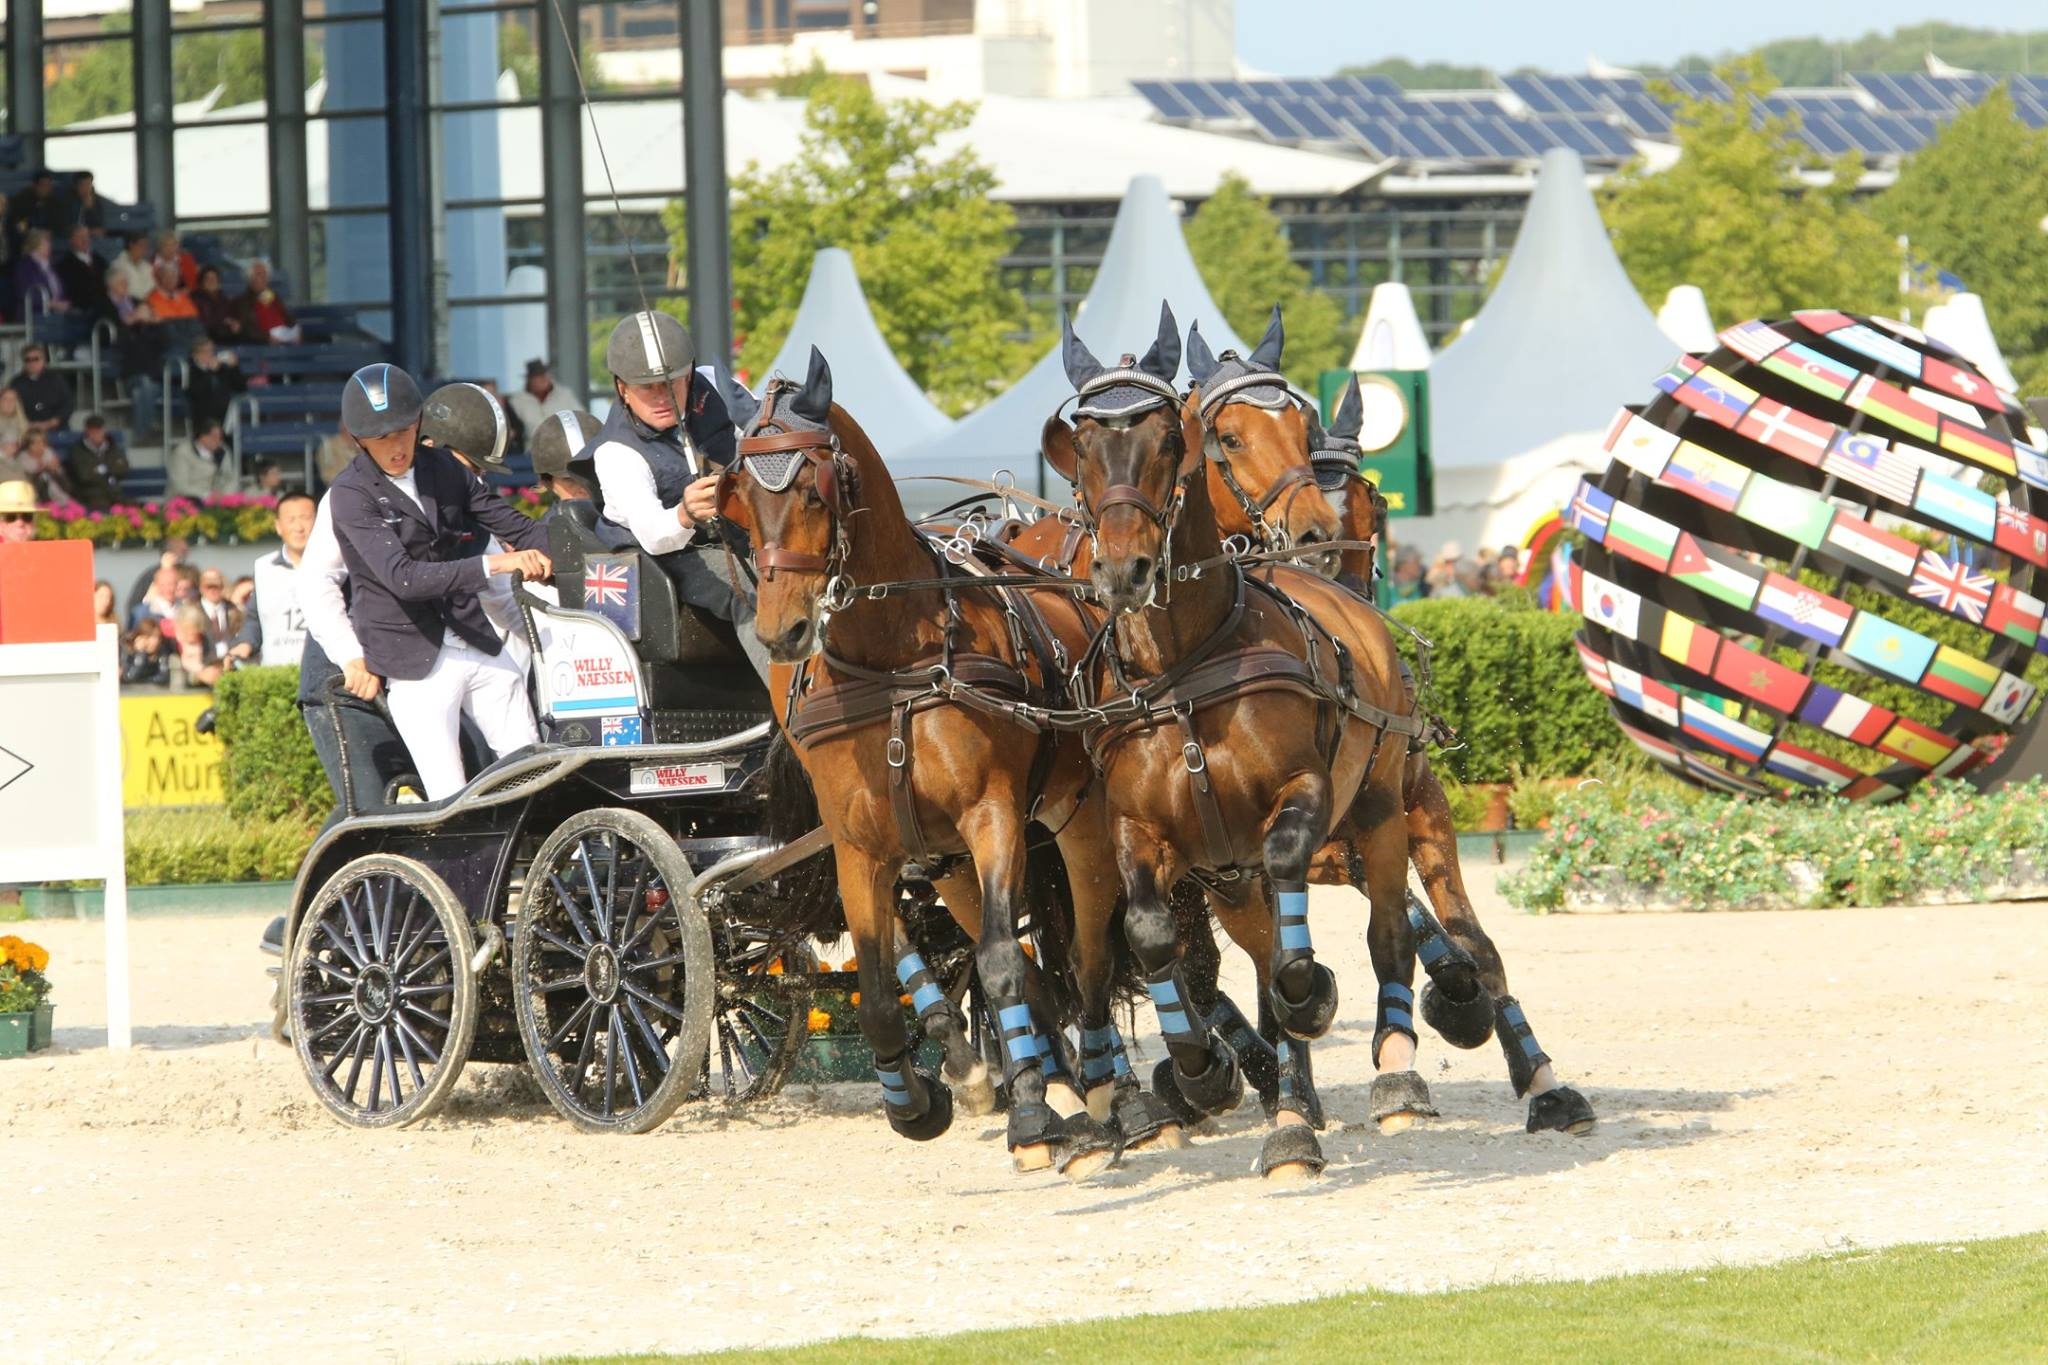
(1410,577)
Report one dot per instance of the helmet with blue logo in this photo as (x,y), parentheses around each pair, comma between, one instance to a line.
(378,400)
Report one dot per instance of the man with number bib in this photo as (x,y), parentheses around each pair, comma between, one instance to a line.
(657,459)
(274,627)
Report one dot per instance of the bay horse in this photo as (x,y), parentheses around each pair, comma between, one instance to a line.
(1260,448)
(1239,732)
(905,710)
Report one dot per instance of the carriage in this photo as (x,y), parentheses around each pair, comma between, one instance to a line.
(591,906)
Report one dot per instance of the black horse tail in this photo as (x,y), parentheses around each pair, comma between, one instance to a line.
(804,899)
(1051,899)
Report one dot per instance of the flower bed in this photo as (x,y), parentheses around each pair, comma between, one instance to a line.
(1642,846)
(228,518)
(25,1010)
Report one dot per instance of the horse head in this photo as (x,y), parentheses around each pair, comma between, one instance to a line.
(1128,454)
(1256,434)
(793,488)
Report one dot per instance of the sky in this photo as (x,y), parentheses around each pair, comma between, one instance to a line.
(1314,37)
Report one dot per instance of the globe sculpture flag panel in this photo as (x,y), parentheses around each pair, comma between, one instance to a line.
(1812,561)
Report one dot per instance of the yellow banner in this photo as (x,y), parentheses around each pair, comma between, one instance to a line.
(164,761)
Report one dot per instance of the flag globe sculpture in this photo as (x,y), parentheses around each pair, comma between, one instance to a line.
(1815,561)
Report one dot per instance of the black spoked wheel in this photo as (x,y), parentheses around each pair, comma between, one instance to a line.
(382,1005)
(762,1019)
(611,972)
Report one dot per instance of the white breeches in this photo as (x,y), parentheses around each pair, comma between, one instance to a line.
(428,713)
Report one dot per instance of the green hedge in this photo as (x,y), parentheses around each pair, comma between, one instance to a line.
(179,847)
(268,768)
(1506,677)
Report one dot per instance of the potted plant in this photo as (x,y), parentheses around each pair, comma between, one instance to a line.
(837,1051)
(25,1011)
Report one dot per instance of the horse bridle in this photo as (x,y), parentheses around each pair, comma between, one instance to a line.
(1265,532)
(1127,374)
(773,461)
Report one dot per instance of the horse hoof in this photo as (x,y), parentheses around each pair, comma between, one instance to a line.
(1083,1166)
(935,1120)
(975,1093)
(1165,1089)
(1563,1110)
(1220,1087)
(1291,1155)
(1141,1117)
(1169,1138)
(1461,1023)
(1100,1100)
(1035,1157)
(1064,1099)
(1400,1099)
(1309,1018)
(1091,1148)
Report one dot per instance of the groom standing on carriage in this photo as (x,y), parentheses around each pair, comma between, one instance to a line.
(658,457)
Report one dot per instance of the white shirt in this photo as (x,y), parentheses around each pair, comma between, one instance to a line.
(408,484)
(321,573)
(281,619)
(630,500)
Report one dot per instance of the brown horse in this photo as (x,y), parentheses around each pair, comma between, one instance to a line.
(1258,451)
(903,707)
(1245,732)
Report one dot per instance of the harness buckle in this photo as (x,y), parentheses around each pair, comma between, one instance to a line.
(1192,755)
(839,593)
(897,753)
(1237,546)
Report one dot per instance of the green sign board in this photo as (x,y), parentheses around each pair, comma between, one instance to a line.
(1394,434)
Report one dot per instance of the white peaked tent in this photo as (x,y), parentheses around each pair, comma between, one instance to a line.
(1518,404)
(866,380)
(1147,261)
(1685,319)
(1392,338)
(1960,323)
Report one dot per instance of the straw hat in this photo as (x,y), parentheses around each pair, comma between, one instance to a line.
(17,495)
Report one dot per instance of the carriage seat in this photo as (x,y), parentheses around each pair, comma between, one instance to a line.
(692,659)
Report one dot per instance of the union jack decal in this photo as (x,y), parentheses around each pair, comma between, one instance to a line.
(606,585)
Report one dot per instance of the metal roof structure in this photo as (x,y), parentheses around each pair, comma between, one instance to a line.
(1562,342)
(1147,261)
(834,316)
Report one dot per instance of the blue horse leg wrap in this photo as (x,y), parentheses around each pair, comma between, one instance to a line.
(1294,939)
(924,992)
(1284,1049)
(1430,944)
(895,1087)
(1020,1037)
(1051,1060)
(1102,1056)
(1396,1015)
(1518,1042)
(1178,1022)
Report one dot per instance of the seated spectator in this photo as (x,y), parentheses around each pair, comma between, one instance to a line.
(103,613)
(169,299)
(142,655)
(216,310)
(44,467)
(540,397)
(139,347)
(98,464)
(36,207)
(17,513)
(1405,583)
(159,602)
(85,208)
(45,397)
(36,286)
(170,251)
(212,382)
(223,618)
(13,423)
(264,315)
(196,654)
(202,467)
(239,593)
(134,263)
(269,479)
(78,270)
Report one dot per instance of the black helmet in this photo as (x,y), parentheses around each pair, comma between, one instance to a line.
(647,348)
(561,440)
(378,400)
(465,419)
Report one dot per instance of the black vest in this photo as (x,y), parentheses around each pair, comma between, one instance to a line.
(710,426)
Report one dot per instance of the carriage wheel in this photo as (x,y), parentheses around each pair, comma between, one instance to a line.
(382,1005)
(612,972)
(761,1022)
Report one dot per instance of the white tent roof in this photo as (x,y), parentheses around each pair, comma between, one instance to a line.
(1685,319)
(1563,341)
(1961,323)
(1146,261)
(834,316)
(1392,338)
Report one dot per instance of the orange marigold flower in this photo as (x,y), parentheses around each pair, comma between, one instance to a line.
(820,1021)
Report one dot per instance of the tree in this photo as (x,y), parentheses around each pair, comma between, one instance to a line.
(101,82)
(924,230)
(1732,217)
(232,61)
(1424,75)
(1970,203)
(1822,61)
(1240,246)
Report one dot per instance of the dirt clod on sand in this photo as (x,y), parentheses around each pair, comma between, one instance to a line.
(1768,1085)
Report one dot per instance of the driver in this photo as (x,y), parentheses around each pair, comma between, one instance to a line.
(658,458)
